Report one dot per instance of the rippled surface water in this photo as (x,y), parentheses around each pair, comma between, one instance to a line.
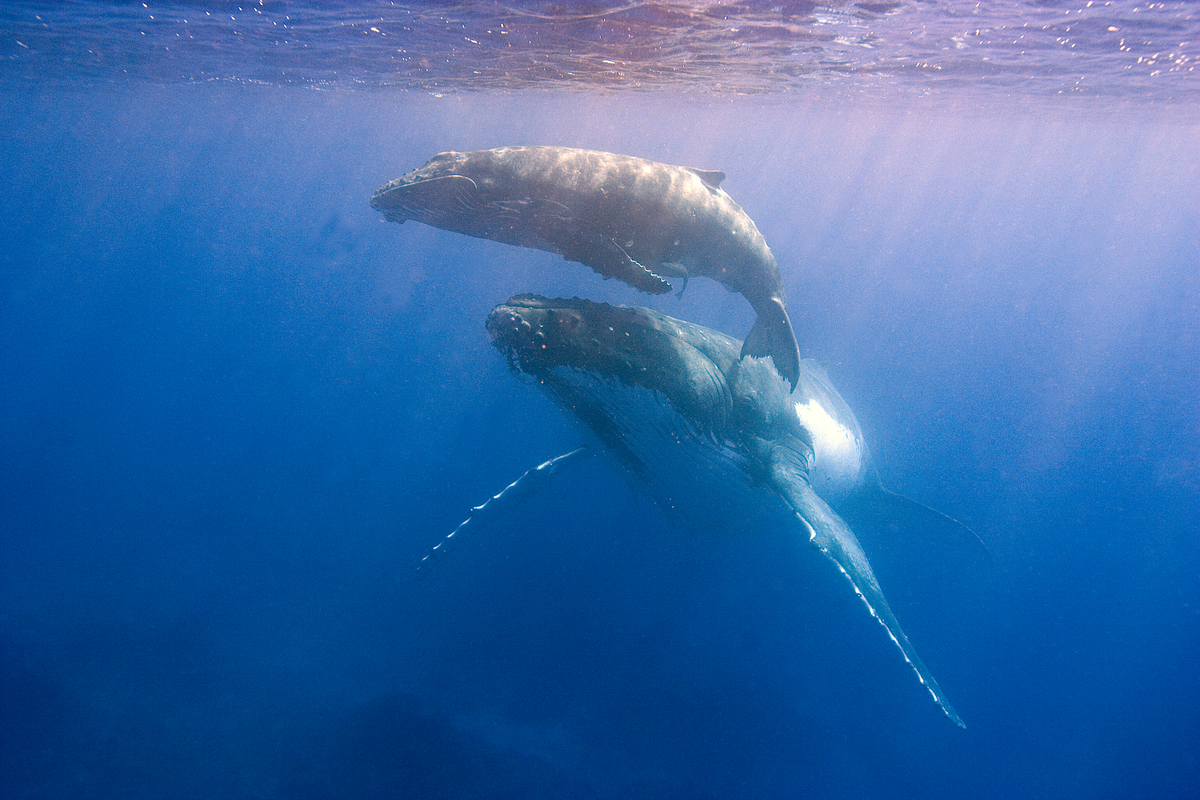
(983,52)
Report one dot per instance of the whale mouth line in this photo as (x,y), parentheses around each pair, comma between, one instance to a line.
(515,337)
(512,358)
(439,197)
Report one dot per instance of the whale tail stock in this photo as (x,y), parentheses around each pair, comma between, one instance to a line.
(772,335)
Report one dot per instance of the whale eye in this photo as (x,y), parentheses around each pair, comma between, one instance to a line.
(567,323)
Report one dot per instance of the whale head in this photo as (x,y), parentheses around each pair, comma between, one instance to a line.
(566,345)
(433,193)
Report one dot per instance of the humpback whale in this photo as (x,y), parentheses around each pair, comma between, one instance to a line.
(714,438)
(625,217)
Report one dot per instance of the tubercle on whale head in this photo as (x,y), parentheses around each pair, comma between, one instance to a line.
(537,334)
(511,326)
(440,166)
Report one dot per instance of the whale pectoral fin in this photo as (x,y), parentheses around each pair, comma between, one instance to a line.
(508,499)
(607,257)
(830,535)
(449,196)
(683,286)
(772,335)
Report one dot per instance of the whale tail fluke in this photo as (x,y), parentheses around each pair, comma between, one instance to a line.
(878,507)
(772,335)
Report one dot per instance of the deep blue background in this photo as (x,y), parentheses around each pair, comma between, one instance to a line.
(236,408)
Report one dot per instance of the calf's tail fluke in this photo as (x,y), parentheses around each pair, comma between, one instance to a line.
(772,335)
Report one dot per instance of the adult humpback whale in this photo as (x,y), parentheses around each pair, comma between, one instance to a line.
(625,217)
(716,439)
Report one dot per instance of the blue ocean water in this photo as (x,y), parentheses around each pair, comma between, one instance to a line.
(237,407)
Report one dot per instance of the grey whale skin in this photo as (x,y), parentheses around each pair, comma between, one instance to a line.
(714,438)
(625,217)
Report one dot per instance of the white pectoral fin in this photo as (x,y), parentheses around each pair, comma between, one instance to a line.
(509,498)
(830,535)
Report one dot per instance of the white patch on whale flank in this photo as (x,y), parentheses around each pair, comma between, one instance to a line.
(837,451)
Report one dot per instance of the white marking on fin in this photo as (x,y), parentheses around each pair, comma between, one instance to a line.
(508,498)
(830,535)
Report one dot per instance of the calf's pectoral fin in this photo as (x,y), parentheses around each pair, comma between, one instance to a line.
(772,335)
(608,258)
(534,211)
(830,535)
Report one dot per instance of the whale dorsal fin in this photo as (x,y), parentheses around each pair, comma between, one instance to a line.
(712,177)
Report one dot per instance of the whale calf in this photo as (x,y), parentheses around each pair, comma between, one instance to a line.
(625,217)
(715,439)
